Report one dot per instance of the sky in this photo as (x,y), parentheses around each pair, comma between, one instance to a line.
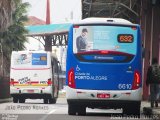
(61,10)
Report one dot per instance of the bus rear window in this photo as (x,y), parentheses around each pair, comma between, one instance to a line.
(103,37)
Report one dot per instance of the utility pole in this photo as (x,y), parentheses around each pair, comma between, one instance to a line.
(48,38)
(48,12)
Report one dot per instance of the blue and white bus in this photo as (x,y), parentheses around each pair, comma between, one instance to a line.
(107,71)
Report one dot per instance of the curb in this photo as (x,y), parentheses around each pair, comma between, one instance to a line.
(6,100)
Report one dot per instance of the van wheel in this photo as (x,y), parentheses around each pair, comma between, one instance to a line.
(71,109)
(21,100)
(52,100)
(45,101)
(15,100)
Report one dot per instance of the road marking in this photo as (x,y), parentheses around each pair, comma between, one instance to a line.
(44,118)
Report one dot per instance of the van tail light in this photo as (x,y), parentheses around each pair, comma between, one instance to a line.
(137,80)
(49,82)
(12,82)
(71,78)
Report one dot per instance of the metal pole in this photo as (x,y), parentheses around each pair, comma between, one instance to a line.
(152,27)
(48,12)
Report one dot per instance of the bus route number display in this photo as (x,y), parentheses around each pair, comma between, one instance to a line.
(125,38)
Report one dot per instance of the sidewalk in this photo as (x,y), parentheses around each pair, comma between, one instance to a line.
(145,106)
(147,110)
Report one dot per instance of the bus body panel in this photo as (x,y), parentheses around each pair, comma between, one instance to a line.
(31,80)
(129,95)
(97,77)
(102,74)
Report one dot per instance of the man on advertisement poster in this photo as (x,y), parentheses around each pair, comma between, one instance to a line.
(81,41)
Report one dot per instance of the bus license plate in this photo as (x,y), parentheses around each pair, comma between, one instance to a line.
(30,91)
(103,95)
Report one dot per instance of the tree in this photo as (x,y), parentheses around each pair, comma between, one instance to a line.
(6,9)
(14,37)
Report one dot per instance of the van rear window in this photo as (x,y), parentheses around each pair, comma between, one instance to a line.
(30,59)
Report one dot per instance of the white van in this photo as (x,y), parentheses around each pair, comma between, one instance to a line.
(34,75)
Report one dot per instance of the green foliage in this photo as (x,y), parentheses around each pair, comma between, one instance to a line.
(14,37)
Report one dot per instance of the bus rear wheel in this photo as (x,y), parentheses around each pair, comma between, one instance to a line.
(15,100)
(81,110)
(73,109)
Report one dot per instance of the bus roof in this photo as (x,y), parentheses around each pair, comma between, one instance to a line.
(21,52)
(96,20)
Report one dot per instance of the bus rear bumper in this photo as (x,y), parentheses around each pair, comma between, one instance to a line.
(31,96)
(31,92)
(115,99)
(103,104)
(113,95)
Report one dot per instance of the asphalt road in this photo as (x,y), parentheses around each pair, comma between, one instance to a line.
(36,110)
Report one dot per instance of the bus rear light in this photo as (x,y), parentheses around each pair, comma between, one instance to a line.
(104,52)
(71,79)
(134,28)
(128,93)
(49,82)
(137,80)
(80,92)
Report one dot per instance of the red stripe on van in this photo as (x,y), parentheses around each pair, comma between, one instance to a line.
(33,82)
